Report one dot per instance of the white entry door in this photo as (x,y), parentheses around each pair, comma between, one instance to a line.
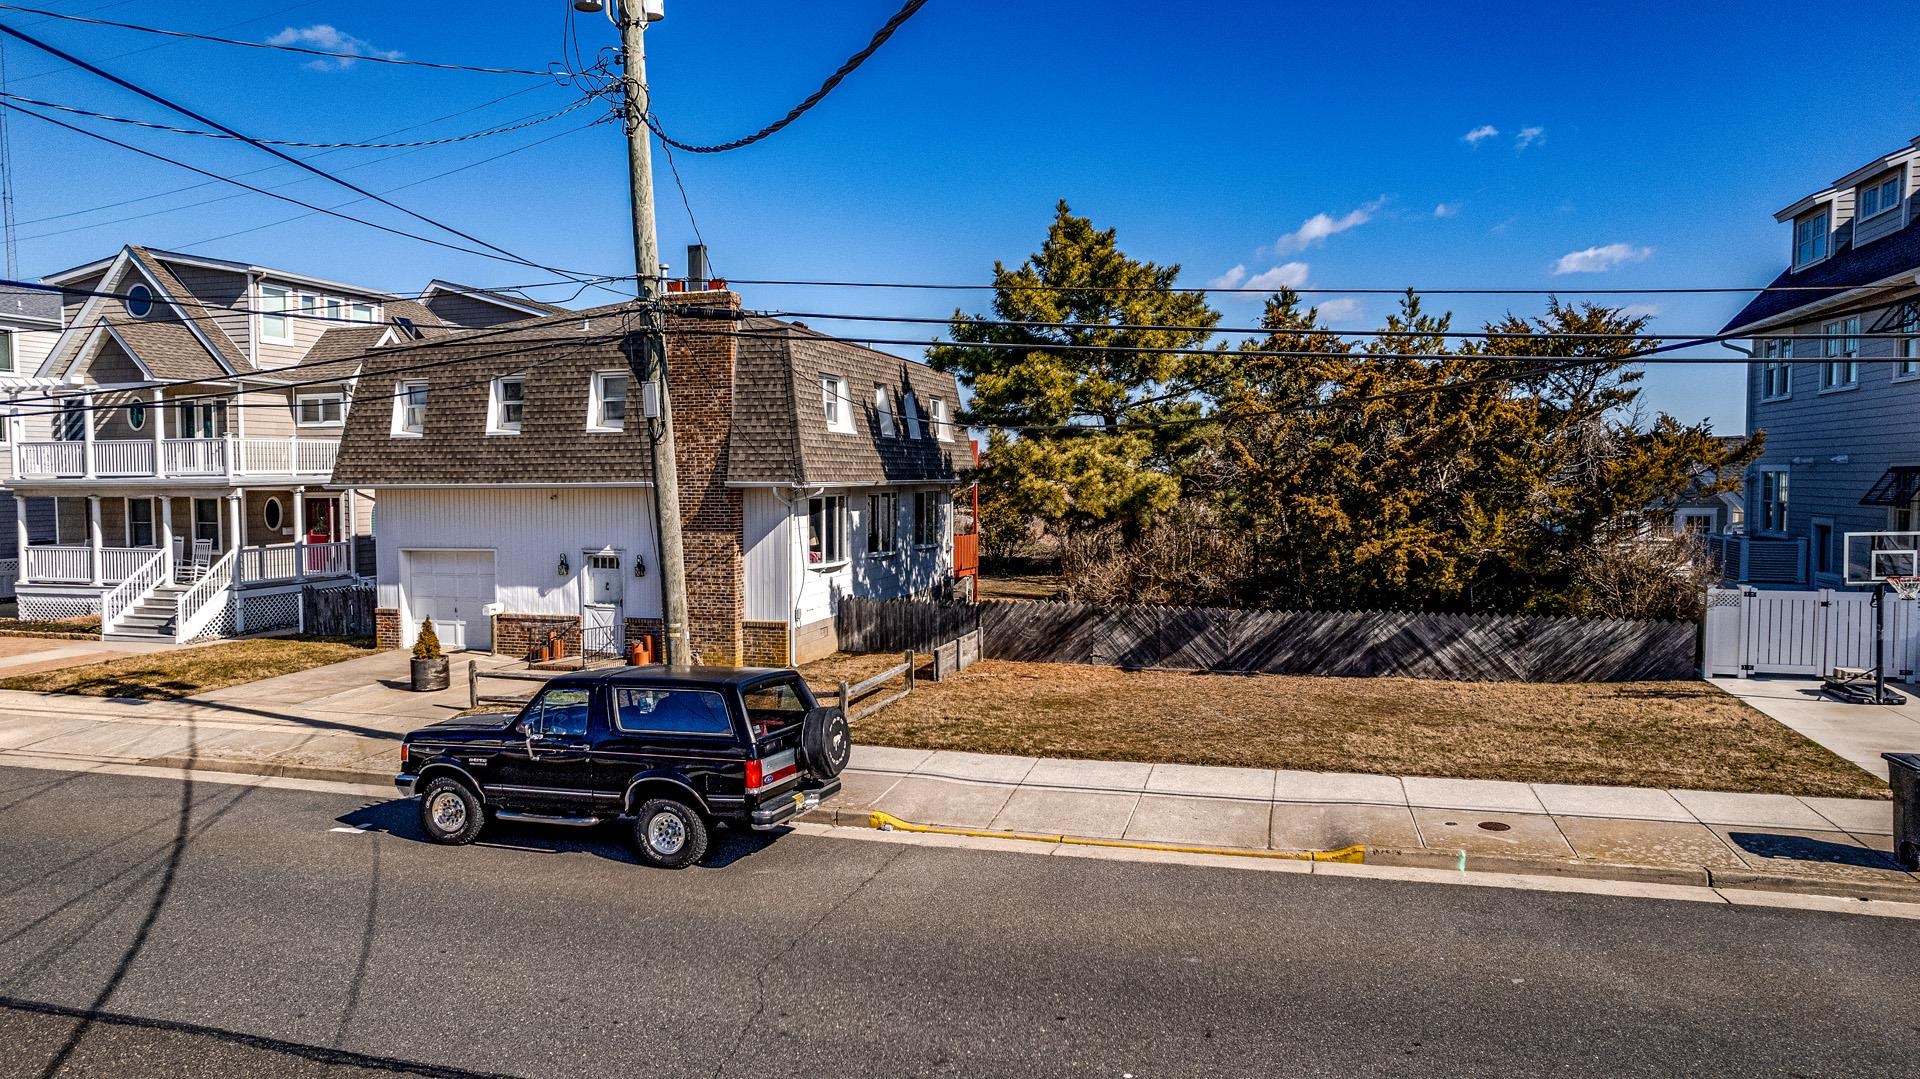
(603,621)
(450,587)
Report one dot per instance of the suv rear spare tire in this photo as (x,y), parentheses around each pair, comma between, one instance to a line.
(826,742)
(669,834)
(451,813)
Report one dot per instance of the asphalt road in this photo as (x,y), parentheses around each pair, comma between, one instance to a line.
(154,927)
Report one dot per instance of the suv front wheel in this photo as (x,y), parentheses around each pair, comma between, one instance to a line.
(669,834)
(451,813)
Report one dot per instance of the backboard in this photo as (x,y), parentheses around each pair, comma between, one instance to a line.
(1872,557)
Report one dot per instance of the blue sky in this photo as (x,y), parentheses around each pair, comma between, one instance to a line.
(1324,144)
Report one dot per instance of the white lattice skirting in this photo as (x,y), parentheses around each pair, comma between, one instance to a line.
(48,608)
(279,610)
(221,624)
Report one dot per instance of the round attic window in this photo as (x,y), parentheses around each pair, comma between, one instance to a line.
(139,301)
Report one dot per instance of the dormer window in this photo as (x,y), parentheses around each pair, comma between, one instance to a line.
(508,406)
(410,409)
(836,404)
(910,408)
(1880,197)
(883,413)
(139,301)
(1810,239)
(942,421)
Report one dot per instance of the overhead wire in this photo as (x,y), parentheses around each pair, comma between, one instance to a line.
(1397,291)
(370,58)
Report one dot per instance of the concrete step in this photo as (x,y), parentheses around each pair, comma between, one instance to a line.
(138,633)
(145,621)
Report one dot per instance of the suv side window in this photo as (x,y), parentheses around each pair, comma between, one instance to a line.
(774,706)
(638,710)
(559,713)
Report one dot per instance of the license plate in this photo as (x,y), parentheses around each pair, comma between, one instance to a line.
(805,802)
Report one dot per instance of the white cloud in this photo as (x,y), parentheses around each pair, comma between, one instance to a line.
(323,36)
(1338,310)
(1230,279)
(1601,259)
(1285,275)
(1447,209)
(1528,136)
(1317,228)
(1638,310)
(1484,131)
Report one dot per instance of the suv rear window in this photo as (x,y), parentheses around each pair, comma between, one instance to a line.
(638,710)
(774,706)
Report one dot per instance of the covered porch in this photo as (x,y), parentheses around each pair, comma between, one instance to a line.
(250,536)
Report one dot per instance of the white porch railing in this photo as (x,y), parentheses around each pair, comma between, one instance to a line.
(74,565)
(137,586)
(177,457)
(201,605)
(294,561)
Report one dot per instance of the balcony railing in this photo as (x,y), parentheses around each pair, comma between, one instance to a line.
(272,564)
(196,458)
(293,561)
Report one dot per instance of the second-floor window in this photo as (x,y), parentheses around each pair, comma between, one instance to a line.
(1810,239)
(607,411)
(910,410)
(1773,500)
(410,409)
(6,351)
(1776,368)
(508,407)
(1880,198)
(882,413)
(836,404)
(274,324)
(319,409)
(1910,344)
(942,421)
(1842,366)
(200,419)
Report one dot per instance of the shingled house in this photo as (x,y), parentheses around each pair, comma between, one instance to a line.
(516,497)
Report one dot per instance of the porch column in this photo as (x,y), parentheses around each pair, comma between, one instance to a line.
(237,507)
(166,534)
(352,530)
(238,503)
(159,433)
(20,533)
(93,531)
(86,436)
(299,532)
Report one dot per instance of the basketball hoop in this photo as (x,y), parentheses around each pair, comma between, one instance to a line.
(1907,586)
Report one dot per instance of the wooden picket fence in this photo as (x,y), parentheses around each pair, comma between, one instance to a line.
(1461,647)
(338,611)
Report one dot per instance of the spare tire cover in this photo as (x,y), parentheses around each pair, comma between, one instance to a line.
(826,741)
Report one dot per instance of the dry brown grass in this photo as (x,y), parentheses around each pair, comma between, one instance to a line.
(188,671)
(1022,586)
(1639,734)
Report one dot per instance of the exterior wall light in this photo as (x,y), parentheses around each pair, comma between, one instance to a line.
(565,569)
(639,566)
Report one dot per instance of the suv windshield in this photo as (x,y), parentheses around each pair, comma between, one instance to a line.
(774,706)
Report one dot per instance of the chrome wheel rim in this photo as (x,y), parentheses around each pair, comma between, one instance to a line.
(448,811)
(666,833)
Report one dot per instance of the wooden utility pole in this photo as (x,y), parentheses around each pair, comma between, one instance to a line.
(647,356)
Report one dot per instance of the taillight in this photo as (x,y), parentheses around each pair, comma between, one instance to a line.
(404,748)
(753,776)
(770,771)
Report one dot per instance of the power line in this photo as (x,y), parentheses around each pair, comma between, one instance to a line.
(880,37)
(1039,287)
(281,154)
(164,44)
(420,144)
(372,59)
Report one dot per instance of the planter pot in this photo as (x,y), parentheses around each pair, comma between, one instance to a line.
(430,674)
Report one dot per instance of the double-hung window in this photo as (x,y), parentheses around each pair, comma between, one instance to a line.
(882,412)
(607,411)
(1810,239)
(826,531)
(1773,500)
(1910,343)
(942,420)
(139,522)
(1776,368)
(274,324)
(410,409)
(1841,368)
(1881,197)
(926,518)
(836,404)
(319,409)
(910,410)
(508,407)
(883,523)
(6,351)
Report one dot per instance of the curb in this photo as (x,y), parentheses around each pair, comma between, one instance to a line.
(272,770)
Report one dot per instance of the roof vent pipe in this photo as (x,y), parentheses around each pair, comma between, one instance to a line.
(697,269)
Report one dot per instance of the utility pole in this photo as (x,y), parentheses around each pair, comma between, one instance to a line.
(649,361)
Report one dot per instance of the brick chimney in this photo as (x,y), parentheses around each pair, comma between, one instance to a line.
(700,372)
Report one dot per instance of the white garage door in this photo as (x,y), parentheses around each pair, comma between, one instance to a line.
(450,587)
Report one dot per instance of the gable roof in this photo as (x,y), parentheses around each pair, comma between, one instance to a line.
(339,351)
(1850,267)
(185,344)
(507,301)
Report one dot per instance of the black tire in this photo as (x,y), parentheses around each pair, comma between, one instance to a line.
(451,812)
(669,834)
(826,742)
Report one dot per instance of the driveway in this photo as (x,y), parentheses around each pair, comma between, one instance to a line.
(1858,732)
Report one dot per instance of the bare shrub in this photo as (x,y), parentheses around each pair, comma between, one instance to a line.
(1656,577)
(1186,559)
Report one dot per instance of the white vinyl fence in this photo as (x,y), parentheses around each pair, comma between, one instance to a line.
(1767,631)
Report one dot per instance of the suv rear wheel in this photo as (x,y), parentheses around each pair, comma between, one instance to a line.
(451,813)
(669,834)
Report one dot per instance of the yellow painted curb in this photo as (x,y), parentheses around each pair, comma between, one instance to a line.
(887,822)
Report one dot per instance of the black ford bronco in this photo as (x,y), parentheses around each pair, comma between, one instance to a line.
(674,750)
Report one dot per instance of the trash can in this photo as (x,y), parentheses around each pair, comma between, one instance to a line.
(1903,773)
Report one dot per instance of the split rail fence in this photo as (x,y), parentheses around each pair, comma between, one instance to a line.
(1462,647)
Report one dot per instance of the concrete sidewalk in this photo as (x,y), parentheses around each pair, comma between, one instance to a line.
(1858,732)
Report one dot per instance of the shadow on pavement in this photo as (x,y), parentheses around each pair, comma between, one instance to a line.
(1807,849)
(400,818)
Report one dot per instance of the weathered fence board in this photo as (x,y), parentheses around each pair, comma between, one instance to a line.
(1464,647)
(343,611)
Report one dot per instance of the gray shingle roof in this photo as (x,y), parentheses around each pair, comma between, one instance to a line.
(29,303)
(202,318)
(1849,267)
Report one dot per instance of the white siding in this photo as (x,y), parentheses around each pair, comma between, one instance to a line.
(528,530)
(907,571)
(769,555)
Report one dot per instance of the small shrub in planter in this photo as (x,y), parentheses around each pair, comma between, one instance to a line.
(430,666)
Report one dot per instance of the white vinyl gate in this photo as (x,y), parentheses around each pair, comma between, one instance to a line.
(1764,631)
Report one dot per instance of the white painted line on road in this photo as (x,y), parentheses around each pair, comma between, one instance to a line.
(349,831)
